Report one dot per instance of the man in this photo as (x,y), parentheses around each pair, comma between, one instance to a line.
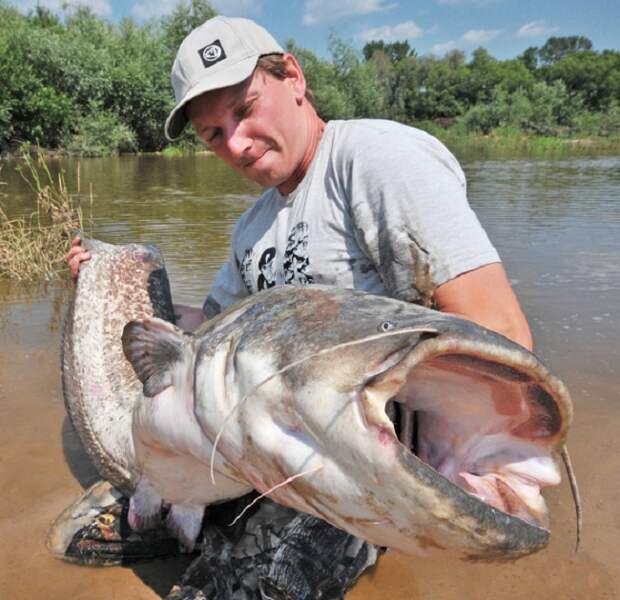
(362,204)
(365,204)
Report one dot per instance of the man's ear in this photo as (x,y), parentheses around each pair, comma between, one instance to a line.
(295,77)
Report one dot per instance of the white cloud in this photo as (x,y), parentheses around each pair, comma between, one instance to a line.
(480,36)
(441,49)
(316,11)
(148,9)
(99,7)
(471,37)
(407,30)
(535,29)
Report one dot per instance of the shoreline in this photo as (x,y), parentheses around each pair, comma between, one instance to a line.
(504,143)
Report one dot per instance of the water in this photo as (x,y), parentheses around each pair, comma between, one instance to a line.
(556,224)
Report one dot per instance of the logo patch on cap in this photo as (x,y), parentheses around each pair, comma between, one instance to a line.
(212,53)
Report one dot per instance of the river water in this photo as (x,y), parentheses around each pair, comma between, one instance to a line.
(556,224)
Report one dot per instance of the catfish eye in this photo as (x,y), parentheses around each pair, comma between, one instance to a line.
(386,326)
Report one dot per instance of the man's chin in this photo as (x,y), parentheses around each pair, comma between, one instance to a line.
(266,178)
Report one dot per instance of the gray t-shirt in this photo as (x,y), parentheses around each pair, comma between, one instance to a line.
(382,208)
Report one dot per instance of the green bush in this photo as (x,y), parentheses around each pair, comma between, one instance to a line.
(600,124)
(504,110)
(101,134)
(100,88)
(552,107)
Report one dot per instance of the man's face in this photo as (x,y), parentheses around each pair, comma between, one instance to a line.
(254,126)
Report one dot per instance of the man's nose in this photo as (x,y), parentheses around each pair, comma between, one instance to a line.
(238,141)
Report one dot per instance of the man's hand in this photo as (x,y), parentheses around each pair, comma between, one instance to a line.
(76,256)
(486,297)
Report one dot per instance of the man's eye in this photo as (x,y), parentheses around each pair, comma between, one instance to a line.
(244,111)
(217,132)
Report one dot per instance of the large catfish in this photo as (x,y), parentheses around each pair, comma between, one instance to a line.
(410,428)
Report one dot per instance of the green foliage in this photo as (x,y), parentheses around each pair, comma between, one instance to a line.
(605,123)
(529,58)
(81,83)
(593,77)
(71,79)
(552,106)
(556,48)
(52,113)
(187,15)
(543,109)
(344,88)
(173,151)
(395,51)
(101,133)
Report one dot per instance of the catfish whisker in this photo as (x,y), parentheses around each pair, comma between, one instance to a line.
(275,487)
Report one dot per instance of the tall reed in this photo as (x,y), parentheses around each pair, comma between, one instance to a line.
(34,247)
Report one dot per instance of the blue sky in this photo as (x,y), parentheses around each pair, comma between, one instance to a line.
(504,27)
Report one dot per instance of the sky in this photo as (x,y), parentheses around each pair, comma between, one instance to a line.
(504,27)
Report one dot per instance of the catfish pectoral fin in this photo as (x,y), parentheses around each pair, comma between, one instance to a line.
(144,507)
(154,347)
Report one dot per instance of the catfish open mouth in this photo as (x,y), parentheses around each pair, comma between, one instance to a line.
(490,419)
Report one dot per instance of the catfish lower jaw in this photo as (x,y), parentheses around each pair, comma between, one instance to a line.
(472,419)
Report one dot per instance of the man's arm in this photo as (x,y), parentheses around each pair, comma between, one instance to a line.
(486,297)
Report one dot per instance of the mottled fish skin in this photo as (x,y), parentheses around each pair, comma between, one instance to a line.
(118,284)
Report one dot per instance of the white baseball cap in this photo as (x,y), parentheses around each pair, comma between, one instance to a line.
(221,52)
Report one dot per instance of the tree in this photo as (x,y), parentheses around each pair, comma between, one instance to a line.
(589,75)
(529,58)
(557,48)
(44,17)
(396,51)
(440,90)
(186,16)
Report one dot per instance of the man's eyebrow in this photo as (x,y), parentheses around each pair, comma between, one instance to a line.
(240,100)
(238,94)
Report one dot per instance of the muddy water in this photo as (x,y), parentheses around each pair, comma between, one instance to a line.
(557,227)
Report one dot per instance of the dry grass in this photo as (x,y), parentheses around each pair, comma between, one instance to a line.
(33,248)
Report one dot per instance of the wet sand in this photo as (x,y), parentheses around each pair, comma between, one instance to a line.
(42,470)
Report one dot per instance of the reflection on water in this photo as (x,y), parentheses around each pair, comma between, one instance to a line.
(187,206)
(556,224)
(557,227)
(27,309)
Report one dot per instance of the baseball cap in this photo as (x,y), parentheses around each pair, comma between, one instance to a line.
(221,52)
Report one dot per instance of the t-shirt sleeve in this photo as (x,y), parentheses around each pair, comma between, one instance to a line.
(227,288)
(411,215)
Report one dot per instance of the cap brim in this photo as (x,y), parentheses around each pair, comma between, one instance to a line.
(176,121)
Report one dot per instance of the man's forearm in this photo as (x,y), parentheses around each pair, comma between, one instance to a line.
(485,296)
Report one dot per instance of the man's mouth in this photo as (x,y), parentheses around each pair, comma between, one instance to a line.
(252,162)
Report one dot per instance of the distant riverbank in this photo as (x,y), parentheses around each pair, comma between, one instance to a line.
(499,143)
